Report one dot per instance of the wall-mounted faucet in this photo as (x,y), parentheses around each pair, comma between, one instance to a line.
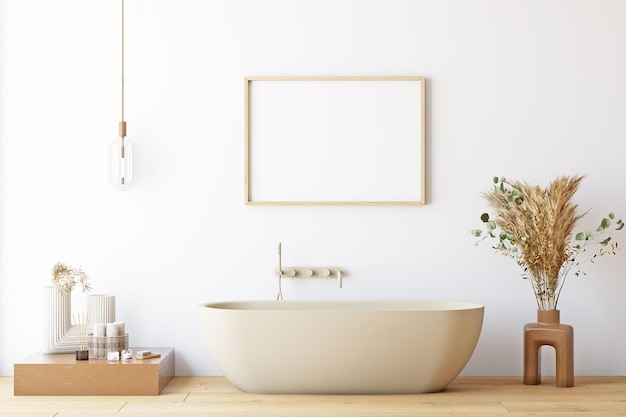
(306,272)
(310,272)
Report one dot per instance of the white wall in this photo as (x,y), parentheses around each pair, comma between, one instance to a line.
(525,89)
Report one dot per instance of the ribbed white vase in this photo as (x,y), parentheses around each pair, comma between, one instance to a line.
(100,309)
(60,336)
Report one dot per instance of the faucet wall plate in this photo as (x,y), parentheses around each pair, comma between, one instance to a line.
(310,272)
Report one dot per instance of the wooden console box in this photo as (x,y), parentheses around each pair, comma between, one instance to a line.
(62,374)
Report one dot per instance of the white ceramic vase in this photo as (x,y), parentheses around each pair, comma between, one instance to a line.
(60,336)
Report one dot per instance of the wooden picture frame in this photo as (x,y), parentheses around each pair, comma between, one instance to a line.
(334,140)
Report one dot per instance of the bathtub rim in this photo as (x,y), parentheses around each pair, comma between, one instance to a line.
(369,305)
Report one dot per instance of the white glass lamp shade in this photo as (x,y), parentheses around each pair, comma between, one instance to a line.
(122,160)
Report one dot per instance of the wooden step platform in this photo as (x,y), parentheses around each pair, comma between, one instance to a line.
(62,374)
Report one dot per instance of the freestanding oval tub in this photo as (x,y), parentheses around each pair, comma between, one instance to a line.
(341,347)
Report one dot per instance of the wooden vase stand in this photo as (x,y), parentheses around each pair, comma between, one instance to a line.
(549,331)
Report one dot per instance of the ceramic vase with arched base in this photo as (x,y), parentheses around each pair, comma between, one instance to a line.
(548,330)
(60,336)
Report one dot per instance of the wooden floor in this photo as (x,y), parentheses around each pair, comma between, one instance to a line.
(215,396)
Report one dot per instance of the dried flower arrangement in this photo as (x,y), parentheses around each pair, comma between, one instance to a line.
(535,227)
(66,278)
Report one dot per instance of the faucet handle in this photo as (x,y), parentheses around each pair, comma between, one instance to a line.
(311,272)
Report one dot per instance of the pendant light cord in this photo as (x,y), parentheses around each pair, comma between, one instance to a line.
(122,123)
(122,61)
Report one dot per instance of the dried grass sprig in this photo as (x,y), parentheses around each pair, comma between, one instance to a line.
(67,277)
(535,226)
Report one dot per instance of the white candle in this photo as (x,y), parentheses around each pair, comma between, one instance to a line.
(111,329)
(100,330)
(121,328)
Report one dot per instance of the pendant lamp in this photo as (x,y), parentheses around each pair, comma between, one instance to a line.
(122,149)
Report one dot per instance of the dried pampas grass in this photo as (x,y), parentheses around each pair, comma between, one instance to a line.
(536,228)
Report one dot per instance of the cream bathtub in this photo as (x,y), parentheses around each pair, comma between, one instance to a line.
(341,347)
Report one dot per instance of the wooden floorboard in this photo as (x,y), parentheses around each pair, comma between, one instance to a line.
(215,396)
